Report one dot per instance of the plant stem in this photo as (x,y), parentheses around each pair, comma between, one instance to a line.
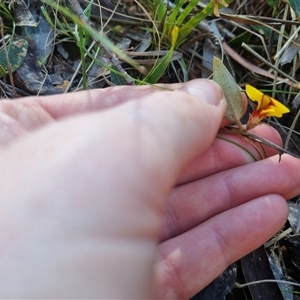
(113,59)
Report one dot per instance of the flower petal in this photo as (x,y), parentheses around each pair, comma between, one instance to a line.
(269,112)
(255,95)
(266,103)
(280,107)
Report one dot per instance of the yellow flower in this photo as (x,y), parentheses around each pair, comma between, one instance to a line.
(216,6)
(266,106)
(174,35)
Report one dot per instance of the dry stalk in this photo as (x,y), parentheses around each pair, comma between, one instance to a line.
(109,55)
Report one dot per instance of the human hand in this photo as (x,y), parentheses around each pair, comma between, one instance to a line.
(92,181)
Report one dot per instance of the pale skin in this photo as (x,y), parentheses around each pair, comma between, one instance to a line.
(127,193)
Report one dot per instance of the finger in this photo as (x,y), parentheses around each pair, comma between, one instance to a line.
(58,106)
(99,99)
(193,203)
(157,135)
(21,116)
(30,113)
(230,151)
(189,262)
(91,100)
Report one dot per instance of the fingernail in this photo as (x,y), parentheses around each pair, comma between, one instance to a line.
(204,89)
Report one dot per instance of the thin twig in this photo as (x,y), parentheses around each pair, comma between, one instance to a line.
(291,129)
(279,45)
(176,56)
(256,138)
(252,67)
(289,41)
(109,55)
(266,142)
(239,285)
(245,46)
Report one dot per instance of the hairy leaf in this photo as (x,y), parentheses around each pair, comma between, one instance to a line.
(232,92)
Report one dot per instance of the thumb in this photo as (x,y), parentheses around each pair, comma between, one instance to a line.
(168,129)
(140,147)
(157,136)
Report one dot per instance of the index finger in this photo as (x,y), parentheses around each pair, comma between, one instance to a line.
(59,106)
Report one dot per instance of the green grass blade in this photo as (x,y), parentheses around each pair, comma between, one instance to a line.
(186,29)
(47,17)
(4,12)
(161,10)
(186,12)
(193,22)
(81,45)
(93,33)
(175,12)
(159,69)
(117,77)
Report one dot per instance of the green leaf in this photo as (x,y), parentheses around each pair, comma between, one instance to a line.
(116,77)
(232,92)
(175,12)
(161,9)
(186,12)
(17,52)
(188,27)
(2,71)
(160,68)
(272,3)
